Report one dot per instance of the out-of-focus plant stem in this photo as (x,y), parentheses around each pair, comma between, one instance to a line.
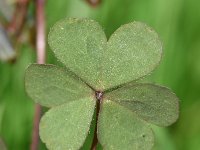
(19,17)
(40,48)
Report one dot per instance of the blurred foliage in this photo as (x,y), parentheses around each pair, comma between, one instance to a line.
(6,50)
(176,21)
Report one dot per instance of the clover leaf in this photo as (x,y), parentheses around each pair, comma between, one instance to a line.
(97,72)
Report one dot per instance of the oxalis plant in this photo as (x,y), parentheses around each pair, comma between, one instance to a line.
(101,75)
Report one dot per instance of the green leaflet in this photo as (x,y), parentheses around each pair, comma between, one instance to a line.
(133,51)
(79,44)
(153,103)
(50,85)
(66,127)
(119,128)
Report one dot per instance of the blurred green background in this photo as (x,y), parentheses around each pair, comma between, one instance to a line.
(178,24)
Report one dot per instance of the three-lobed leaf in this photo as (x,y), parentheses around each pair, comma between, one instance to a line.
(95,64)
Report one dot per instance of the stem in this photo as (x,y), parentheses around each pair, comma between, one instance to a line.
(40,48)
(95,140)
(40,25)
(17,23)
(99,97)
(35,132)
